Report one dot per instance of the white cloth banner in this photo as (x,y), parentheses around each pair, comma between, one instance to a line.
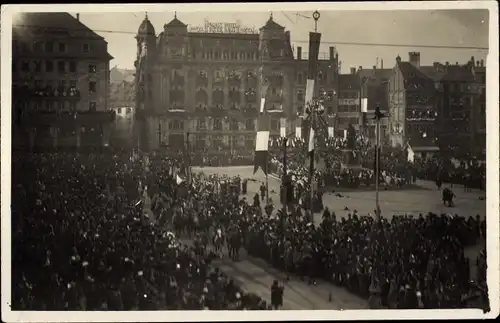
(364,105)
(298,132)
(345,134)
(262,104)
(283,127)
(331,132)
(411,154)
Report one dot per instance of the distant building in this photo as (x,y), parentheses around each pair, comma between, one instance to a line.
(348,102)
(413,108)
(461,106)
(375,93)
(60,79)
(123,127)
(207,83)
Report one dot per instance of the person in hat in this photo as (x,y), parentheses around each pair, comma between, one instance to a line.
(277,295)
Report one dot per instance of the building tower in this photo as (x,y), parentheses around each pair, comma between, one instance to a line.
(275,75)
(144,107)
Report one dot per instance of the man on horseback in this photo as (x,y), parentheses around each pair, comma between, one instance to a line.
(448,196)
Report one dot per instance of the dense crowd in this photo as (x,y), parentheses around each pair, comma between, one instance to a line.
(81,240)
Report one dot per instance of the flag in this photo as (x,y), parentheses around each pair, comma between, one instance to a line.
(298,132)
(262,140)
(283,127)
(179,180)
(411,154)
(345,134)
(331,132)
(314,42)
(364,105)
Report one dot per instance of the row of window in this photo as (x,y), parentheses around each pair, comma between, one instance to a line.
(49,66)
(49,85)
(49,46)
(54,106)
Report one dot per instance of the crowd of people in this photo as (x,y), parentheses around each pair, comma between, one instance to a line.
(81,240)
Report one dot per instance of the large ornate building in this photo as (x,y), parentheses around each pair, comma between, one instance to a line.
(205,86)
(60,78)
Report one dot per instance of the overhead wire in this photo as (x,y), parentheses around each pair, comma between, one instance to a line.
(238,36)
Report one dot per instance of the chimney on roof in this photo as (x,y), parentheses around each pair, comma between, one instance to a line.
(478,63)
(332,50)
(353,70)
(398,59)
(374,67)
(382,64)
(472,60)
(482,63)
(299,52)
(78,16)
(414,58)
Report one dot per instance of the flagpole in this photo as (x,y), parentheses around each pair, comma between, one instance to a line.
(311,161)
(377,162)
(267,162)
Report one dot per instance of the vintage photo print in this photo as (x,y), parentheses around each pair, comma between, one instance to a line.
(250,161)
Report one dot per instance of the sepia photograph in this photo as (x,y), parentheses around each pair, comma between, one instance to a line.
(332,158)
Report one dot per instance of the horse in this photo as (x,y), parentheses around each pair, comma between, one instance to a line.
(448,196)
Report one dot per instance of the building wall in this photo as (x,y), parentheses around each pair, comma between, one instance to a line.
(230,118)
(397,107)
(56,71)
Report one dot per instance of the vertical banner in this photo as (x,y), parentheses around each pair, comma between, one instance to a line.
(345,134)
(331,132)
(283,127)
(298,132)
(364,105)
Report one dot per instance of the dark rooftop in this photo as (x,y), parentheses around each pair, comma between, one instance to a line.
(55,21)
(271,24)
(349,82)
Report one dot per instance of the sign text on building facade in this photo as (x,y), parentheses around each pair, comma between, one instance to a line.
(223,28)
(348,101)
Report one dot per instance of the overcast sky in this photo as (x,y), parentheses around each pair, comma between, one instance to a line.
(437,27)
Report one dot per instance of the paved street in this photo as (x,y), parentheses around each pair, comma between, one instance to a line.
(413,201)
(257,276)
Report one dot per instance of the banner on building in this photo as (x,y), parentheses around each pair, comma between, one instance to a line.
(283,127)
(364,105)
(298,132)
(331,132)
(345,134)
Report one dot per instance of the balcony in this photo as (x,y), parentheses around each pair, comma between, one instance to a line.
(252,79)
(274,98)
(249,112)
(218,97)
(65,118)
(217,110)
(202,79)
(234,96)
(234,79)
(176,96)
(251,96)
(177,80)
(421,115)
(67,93)
(218,80)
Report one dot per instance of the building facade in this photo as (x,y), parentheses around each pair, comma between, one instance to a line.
(205,86)
(460,104)
(413,107)
(60,79)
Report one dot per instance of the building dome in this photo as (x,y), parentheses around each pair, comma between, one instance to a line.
(146,28)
